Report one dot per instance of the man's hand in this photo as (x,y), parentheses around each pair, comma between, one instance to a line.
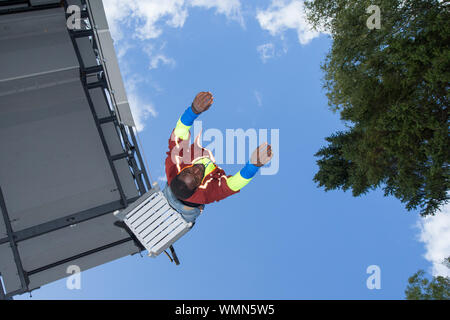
(261,155)
(202,102)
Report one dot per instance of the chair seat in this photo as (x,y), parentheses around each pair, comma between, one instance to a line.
(154,222)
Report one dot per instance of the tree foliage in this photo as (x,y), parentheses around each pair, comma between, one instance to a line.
(421,288)
(390,86)
(447,262)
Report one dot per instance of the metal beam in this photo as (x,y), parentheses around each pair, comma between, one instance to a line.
(78,256)
(28,8)
(107,119)
(138,153)
(60,223)
(119,156)
(93,69)
(81,33)
(130,148)
(23,278)
(12,2)
(86,87)
(2,292)
(138,173)
(97,84)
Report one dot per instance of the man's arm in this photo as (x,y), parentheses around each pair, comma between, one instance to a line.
(226,186)
(201,103)
(242,177)
(260,157)
(179,138)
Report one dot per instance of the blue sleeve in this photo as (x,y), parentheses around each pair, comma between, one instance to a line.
(188,117)
(249,171)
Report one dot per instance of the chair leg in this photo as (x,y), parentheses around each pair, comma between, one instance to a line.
(174,255)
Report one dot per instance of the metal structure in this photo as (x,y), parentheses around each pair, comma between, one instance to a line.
(69,155)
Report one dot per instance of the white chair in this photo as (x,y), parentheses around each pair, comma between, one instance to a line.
(154,222)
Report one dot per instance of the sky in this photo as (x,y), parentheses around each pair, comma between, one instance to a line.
(281,237)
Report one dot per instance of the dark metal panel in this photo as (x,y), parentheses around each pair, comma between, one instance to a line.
(12,5)
(60,223)
(85,263)
(34,43)
(112,138)
(56,163)
(87,52)
(20,6)
(75,2)
(101,107)
(42,2)
(105,145)
(75,239)
(21,87)
(12,243)
(13,2)
(8,269)
(2,230)
(129,185)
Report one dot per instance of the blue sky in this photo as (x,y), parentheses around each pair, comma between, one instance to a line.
(281,237)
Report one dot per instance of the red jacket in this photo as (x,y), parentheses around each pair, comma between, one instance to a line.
(214,186)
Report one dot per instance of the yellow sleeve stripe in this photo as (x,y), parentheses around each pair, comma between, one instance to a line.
(237,182)
(182,130)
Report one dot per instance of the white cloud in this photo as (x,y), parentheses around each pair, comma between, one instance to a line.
(266,51)
(145,16)
(283,15)
(142,16)
(143,20)
(116,11)
(158,58)
(140,109)
(435,234)
(123,49)
(230,8)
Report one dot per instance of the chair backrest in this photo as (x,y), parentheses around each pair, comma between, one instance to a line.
(154,222)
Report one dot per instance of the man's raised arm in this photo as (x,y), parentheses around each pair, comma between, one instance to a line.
(201,103)
(260,157)
(218,191)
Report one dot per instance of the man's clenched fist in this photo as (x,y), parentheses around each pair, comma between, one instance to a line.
(262,155)
(202,102)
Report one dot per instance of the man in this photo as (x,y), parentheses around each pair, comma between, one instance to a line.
(193,178)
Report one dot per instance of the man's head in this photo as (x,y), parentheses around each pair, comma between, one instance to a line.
(187,181)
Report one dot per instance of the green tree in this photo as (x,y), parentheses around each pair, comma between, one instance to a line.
(390,86)
(421,288)
(447,262)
